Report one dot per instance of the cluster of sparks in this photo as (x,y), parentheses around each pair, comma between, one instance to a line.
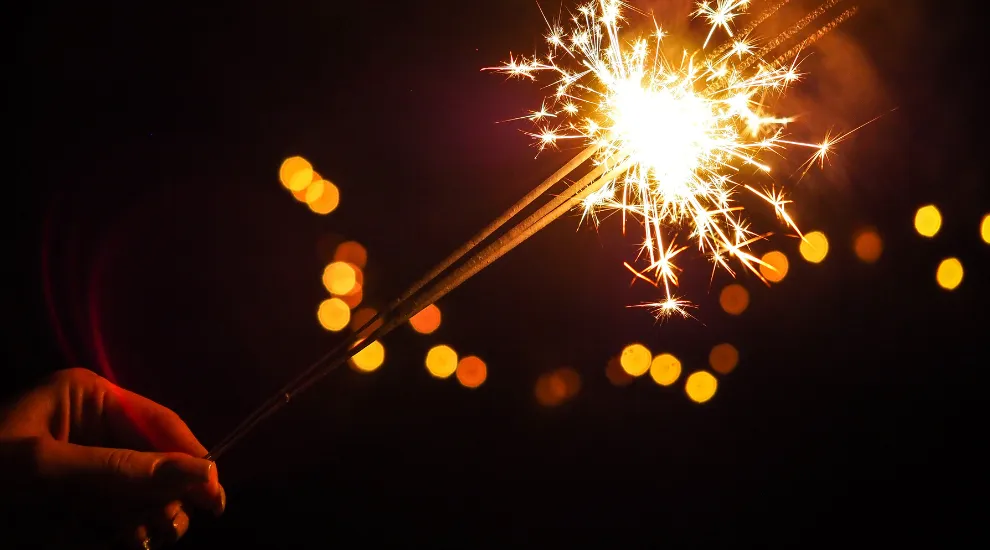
(690,130)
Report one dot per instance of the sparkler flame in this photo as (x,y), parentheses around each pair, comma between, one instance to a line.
(690,128)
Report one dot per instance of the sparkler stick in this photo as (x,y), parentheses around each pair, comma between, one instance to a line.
(745,32)
(790,32)
(793,52)
(480,260)
(393,312)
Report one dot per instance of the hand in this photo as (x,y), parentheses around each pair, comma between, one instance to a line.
(92,464)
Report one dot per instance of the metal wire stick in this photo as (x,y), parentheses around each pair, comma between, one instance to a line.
(283,396)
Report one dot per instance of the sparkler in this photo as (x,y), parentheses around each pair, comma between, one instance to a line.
(668,144)
(693,128)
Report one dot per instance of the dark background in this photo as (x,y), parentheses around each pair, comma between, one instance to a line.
(147,139)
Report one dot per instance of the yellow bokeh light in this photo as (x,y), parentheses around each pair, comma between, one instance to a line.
(615,374)
(356,294)
(358,274)
(665,369)
(300,195)
(701,386)
(339,278)
(370,358)
(314,191)
(354,297)
(334,314)
(635,359)
(949,274)
(427,320)
(441,361)
(361,317)
(296,173)
(928,220)
(723,358)
(327,201)
(814,247)
(351,252)
(985,229)
(734,299)
(471,372)
(868,245)
(776,268)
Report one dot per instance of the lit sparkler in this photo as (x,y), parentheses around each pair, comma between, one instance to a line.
(690,130)
(669,142)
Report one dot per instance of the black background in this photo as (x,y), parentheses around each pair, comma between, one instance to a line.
(147,139)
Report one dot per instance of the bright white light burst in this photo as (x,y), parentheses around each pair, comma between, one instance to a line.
(692,128)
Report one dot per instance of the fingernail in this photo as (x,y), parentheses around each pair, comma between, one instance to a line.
(180,524)
(184,469)
(221,502)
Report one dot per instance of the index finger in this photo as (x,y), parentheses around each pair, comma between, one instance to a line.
(137,420)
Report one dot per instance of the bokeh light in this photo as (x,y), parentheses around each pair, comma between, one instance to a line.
(734,299)
(314,191)
(635,359)
(665,369)
(351,252)
(296,173)
(868,245)
(326,201)
(949,274)
(441,361)
(723,358)
(360,317)
(571,380)
(358,274)
(356,294)
(701,386)
(928,220)
(354,297)
(300,195)
(814,247)
(334,314)
(427,320)
(615,373)
(776,268)
(339,278)
(370,358)
(326,245)
(550,390)
(471,371)
(555,387)
(985,229)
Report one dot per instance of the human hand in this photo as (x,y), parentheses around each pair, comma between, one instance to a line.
(90,464)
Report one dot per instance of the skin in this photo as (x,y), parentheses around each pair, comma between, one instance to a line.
(87,464)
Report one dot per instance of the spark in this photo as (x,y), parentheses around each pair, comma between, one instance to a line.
(720,15)
(694,129)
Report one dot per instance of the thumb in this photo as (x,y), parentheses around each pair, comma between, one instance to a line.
(122,470)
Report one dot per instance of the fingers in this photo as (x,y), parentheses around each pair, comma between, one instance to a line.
(132,420)
(133,475)
(169,523)
(166,525)
(209,497)
(137,418)
(122,471)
